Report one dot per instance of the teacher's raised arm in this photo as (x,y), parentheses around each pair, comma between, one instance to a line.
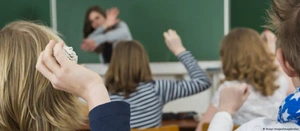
(102,30)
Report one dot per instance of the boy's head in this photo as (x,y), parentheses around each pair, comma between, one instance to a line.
(285,20)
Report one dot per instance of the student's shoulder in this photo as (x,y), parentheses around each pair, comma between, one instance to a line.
(145,85)
(229,83)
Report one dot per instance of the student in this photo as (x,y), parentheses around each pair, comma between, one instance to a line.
(28,100)
(284,19)
(245,58)
(102,31)
(129,79)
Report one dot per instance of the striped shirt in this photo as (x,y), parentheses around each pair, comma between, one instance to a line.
(147,102)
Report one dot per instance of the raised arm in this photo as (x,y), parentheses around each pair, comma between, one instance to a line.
(172,89)
(99,31)
(121,32)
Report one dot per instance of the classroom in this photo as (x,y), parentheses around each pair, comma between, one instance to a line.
(156,65)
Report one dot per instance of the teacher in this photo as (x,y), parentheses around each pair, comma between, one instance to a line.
(102,31)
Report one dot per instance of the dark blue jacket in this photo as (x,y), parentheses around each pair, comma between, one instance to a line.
(112,116)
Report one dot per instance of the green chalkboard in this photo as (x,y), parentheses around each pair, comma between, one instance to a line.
(200,23)
(33,10)
(249,13)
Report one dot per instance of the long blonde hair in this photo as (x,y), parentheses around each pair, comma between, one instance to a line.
(245,57)
(28,102)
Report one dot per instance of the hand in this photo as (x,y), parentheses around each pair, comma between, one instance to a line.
(233,97)
(173,42)
(271,40)
(88,45)
(68,76)
(111,17)
(85,46)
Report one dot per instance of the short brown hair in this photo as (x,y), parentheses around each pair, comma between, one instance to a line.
(128,67)
(245,57)
(284,19)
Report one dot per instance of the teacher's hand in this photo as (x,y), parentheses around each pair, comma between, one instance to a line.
(88,45)
(111,17)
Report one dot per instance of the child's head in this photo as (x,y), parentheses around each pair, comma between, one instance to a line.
(28,102)
(245,57)
(285,20)
(128,67)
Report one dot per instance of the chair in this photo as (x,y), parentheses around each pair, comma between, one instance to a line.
(163,128)
(206,125)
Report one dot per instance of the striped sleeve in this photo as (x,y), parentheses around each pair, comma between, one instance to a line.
(169,90)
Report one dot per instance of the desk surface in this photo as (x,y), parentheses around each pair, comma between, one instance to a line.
(183,124)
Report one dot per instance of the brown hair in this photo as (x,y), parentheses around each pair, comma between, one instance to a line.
(88,29)
(245,57)
(128,67)
(28,102)
(284,20)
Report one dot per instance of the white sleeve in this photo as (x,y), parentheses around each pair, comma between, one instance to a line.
(222,121)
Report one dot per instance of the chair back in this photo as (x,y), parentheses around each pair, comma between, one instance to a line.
(206,125)
(163,128)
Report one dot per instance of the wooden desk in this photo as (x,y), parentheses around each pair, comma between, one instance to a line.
(184,125)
